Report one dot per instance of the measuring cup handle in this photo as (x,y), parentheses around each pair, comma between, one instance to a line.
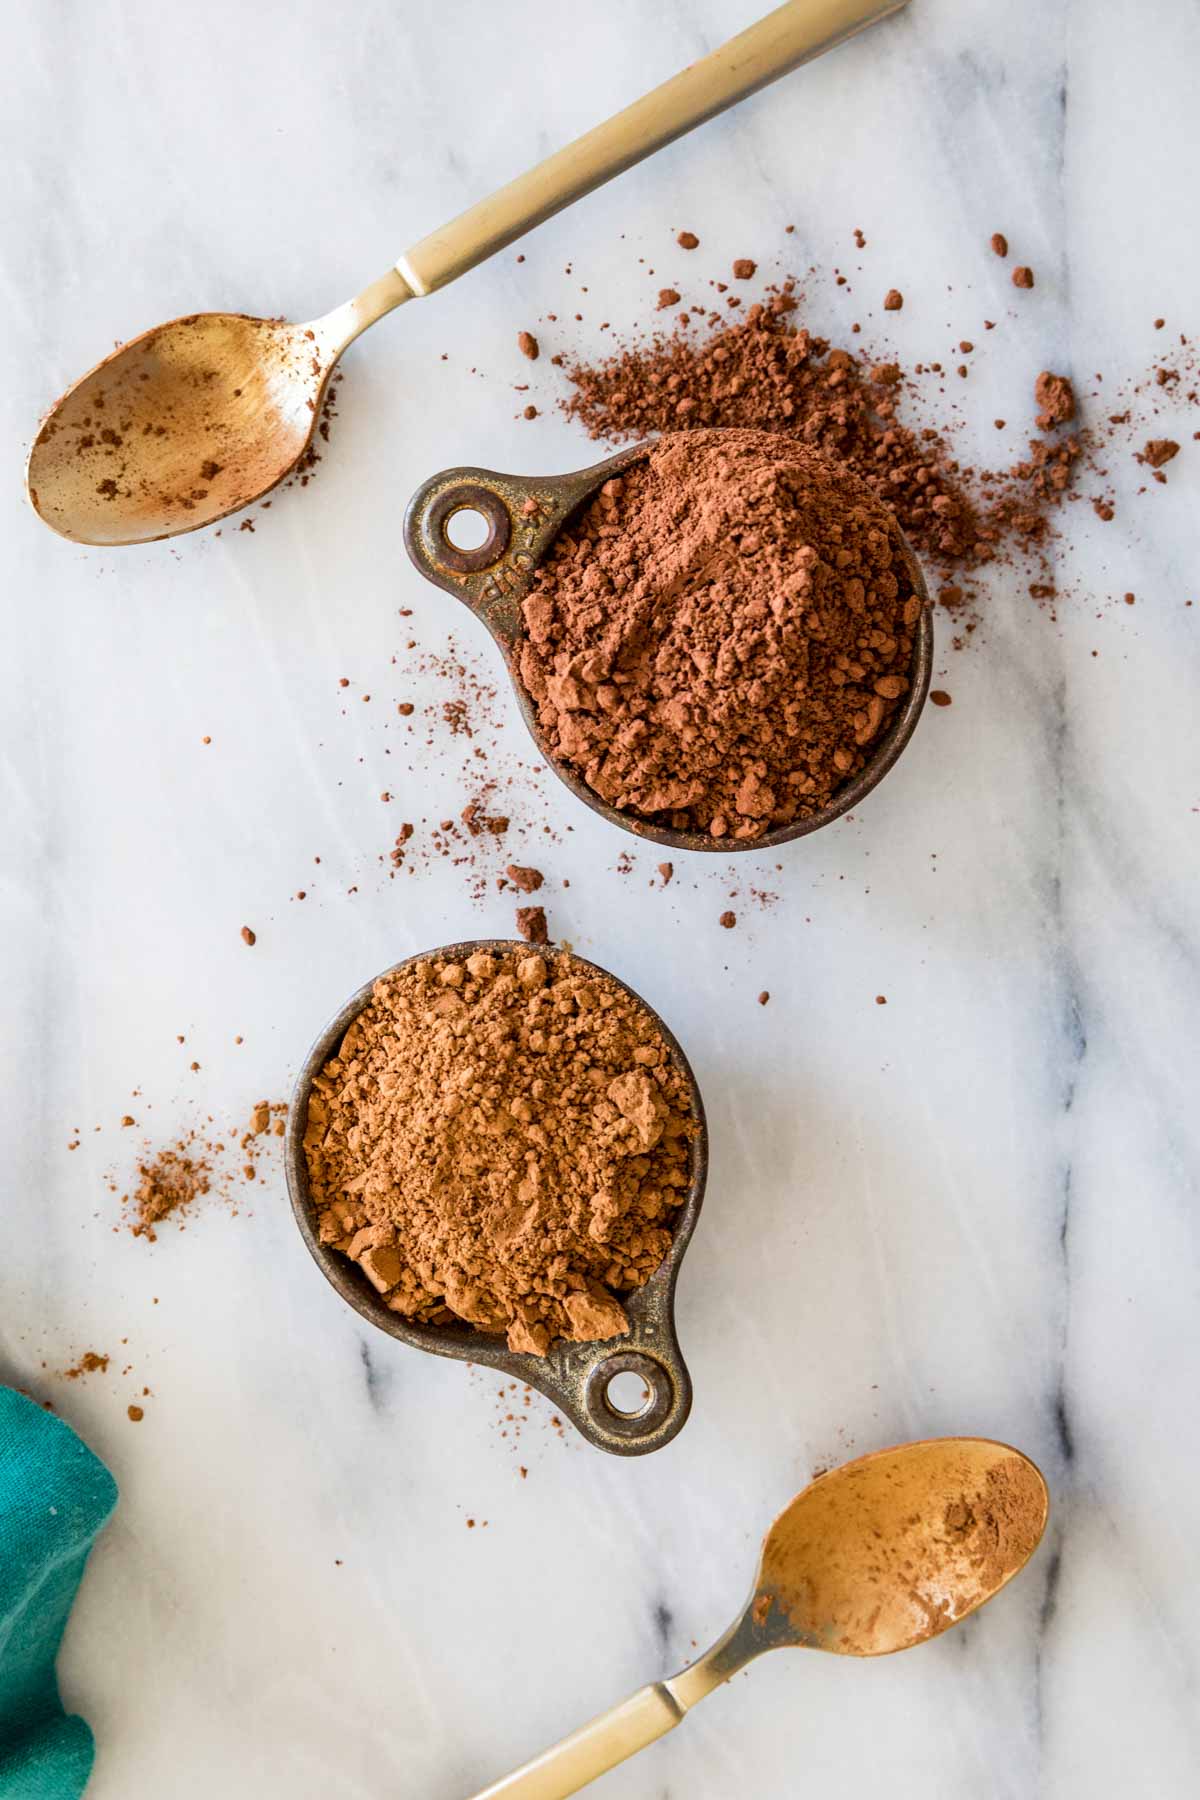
(521,515)
(662,1414)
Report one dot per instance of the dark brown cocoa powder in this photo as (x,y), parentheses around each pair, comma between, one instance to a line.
(768,372)
(722,635)
(765,373)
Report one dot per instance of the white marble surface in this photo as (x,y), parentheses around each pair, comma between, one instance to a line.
(973,1209)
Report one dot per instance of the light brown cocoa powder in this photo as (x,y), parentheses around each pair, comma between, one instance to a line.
(502,1140)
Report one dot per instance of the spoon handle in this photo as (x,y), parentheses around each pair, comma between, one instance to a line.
(793,34)
(596,1747)
(646,1716)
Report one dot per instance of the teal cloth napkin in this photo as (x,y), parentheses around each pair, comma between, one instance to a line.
(54,1498)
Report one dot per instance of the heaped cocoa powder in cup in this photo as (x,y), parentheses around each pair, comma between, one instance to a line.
(718,641)
(502,1141)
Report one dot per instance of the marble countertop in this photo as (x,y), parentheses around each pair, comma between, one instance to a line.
(970,1210)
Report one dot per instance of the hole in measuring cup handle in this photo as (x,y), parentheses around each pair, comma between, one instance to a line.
(627,1394)
(468,497)
(614,1420)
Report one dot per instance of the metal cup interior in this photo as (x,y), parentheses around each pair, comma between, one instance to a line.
(575,1376)
(523,515)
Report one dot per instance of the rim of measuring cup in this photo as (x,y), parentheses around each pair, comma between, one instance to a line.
(574,1375)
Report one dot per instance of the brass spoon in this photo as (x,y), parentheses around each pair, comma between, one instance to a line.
(203,415)
(874,1557)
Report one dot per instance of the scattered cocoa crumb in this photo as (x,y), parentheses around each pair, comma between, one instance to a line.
(478,822)
(92,1362)
(893,300)
(1022,276)
(136,1414)
(763,997)
(744,269)
(999,243)
(530,412)
(531,923)
(528,345)
(171,1180)
(687,240)
(248,936)
(174,1178)
(1056,398)
(667,297)
(528,880)
(881,999)
(666,870)
(939,697)
(728,920)
(1158,451)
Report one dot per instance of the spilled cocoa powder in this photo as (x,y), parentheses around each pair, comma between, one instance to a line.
(532,924)
(722,635)
(500,809)
(769,372)
(172,1179)
(502,1141)
(169,1181)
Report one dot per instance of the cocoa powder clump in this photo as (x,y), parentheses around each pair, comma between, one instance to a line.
(502,1141)
(1056,400)
(1158,451)
(719,639)
(532,925)
(173,1179)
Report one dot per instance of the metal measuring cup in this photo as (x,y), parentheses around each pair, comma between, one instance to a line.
(524,514)
(575,1376)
